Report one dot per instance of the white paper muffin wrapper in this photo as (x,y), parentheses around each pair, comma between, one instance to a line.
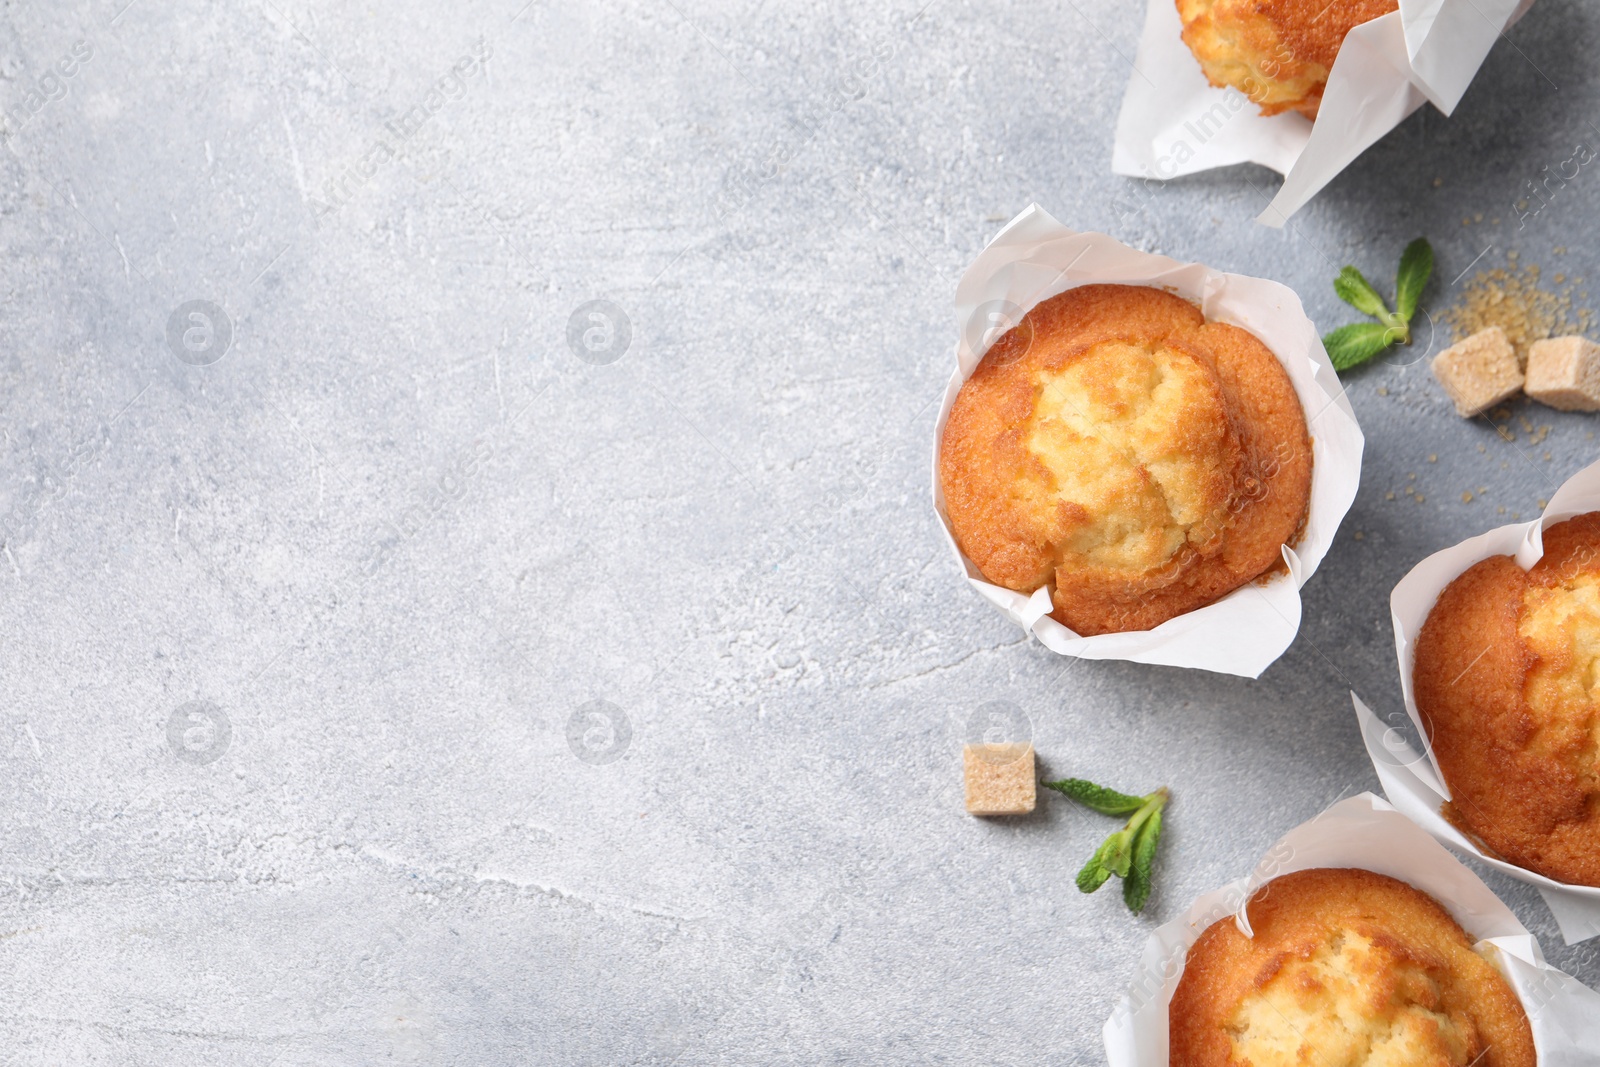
(1365,832)
(1174,123)
(1413,782)
(1034,258)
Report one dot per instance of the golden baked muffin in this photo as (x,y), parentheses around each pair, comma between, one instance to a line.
(1276,52)
(1507,678)
(1137,459)
(1347,968)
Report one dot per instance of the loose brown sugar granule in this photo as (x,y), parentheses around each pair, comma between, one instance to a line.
(1433,457)
(1510,297)
(1466,497)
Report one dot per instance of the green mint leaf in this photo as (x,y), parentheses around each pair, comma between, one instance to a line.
(1416,267)
(1097,797)
(1119,857)
(1094,874)
(1136,886)
(1104,863)
(1351,346)
(1355,290)
(1136,890)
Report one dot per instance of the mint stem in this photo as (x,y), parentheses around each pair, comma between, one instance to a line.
(1153,802)
(1399,328)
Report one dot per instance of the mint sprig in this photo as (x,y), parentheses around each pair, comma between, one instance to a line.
(1130,852)
(1351,346)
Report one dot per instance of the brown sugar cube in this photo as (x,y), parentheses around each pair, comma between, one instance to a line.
(1564,372)
(1000,778)
(1479,372)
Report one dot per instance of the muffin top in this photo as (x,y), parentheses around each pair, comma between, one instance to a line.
(1507,680)
(1117,446)
(1346,968)
(1277,52)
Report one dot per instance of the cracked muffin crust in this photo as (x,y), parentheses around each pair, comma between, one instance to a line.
(1346,968)
(1137,459)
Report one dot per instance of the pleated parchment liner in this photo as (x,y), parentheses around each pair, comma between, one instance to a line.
(1173,122)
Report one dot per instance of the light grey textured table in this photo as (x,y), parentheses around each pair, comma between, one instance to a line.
(399,534)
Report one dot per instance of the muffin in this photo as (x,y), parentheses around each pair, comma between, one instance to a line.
(1135,458)
(1345,968)
(1505,677)
(1276,52)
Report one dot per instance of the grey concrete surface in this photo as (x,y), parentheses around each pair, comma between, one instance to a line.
(399,537)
